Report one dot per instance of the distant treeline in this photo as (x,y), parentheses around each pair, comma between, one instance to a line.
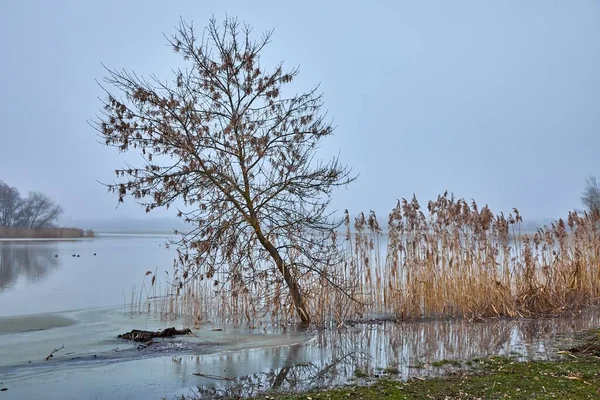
(32,217)
(44,233)
(34,211)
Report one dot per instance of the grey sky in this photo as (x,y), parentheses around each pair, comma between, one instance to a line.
(493,100)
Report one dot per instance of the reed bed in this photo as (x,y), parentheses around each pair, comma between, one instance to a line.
(451,260)
(44,233)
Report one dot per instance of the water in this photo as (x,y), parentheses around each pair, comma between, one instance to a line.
(95,364)
(33,280)
(401,351)
(79,302)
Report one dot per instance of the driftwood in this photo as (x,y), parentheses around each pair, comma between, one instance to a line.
(217,377)
(54,351)
(147,336)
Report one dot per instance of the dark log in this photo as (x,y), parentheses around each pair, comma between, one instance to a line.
(146,336)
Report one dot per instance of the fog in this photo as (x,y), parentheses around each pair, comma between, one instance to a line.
(496,101)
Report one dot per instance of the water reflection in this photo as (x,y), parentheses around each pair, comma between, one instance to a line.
(31,261)
(401,350)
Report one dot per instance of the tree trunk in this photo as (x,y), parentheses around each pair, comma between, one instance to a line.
(290,280)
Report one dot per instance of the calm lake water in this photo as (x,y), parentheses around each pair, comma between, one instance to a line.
(78,302)
(34,280)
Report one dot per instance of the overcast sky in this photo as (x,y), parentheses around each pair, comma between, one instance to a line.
(494,100)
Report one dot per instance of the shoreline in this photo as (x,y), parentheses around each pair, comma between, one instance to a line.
(58,239)
(45,233)
(493,377)
(94,358)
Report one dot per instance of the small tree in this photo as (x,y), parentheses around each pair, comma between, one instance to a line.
(225,140)
(591,195)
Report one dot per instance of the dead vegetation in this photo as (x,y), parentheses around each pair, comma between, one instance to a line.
(586,343)
(462,261)
(452,260)
(49,356)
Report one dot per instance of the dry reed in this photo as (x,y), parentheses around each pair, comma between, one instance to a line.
(455,260)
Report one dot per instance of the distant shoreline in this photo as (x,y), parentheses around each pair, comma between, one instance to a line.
(45,233)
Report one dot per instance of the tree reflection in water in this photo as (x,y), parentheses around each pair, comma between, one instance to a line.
(403,350)
(292,375)
(33,261)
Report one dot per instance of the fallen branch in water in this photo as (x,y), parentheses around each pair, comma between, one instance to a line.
(54,351)
(217,377)
(146,336)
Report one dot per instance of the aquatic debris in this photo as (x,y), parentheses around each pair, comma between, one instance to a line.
(54,351)
(217,377)
(587,343)
(147,336)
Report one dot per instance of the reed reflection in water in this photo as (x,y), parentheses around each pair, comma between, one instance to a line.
(403,350)
(25,260)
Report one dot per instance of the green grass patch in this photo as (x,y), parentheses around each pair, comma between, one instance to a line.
(444,363)
(360,373)
(493,378)
(391,371)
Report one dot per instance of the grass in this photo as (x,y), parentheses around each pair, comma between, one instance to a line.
(358,373)
(44,233)
(444,362)
(455,260)
(493,378)
(573,374)
(391,371)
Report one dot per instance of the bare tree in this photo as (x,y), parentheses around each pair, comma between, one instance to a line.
(10,202)
(225,141)
(35,211)
(591,195)
(38,211)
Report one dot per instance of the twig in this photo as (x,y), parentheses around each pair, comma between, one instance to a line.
(160,297)
(220,378)
(54,351)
